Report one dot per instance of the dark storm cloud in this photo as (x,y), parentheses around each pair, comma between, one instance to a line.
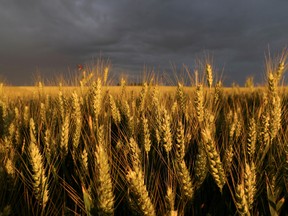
(53,35)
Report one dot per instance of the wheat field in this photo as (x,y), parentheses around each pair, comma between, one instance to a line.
(96,149)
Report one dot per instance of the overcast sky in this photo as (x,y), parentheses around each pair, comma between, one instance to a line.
(51,37)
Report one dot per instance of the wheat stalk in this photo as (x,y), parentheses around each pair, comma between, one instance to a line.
(17,114)
(233,126)
(146,134)
(11,131)
(246,190)
(241,202)
(201,166)
(143,95)
(123,87)
(215,163)
(251,140)
(47,101)
(282,66)
(26,115)
(234,133)
(228,157)
(77,117)
(276,113)
(97,97)
(139,191)
(181,98)
(185,180)
(1,89)
(180,142)
(43,113)
(40,184)
(87,199)
(64,136)
(264,133)
(250,183)
(155,97)
(174,108)
(182,170)
(166,131)
(105,75)
(199,103)
(40,90)
(4,109)
(47,144)
(209,75)
(105,196)
(135,154)
(10,167)
(280,70)
(129,119)
(239,124)
(84,161)
(170,200)
(60,103)
(114,110)
(218,92)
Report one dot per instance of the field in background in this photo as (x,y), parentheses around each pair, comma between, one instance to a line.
(148,150)
(30,91)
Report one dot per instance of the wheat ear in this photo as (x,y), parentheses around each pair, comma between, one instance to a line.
(42,113)
(215,163)
(251,140)
(135,154)
(61,104)
(139,191)
(241,202)
(105,75)
(199,103)
(185,180)
(40,184)
(181,98)
(201,165)
(64,136)
(250,183)
(182,170)
(84,162)
(218,92)
(47,144)
(114,110)
(77,118)
(170,199)
(26,115)
(123,87)
(97,97)
(166,131)
(180,142)
(155,97)
(280,69)
(276,114)
(128,118)
(143,95)
(209,75)
(146,134)
(105,196)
